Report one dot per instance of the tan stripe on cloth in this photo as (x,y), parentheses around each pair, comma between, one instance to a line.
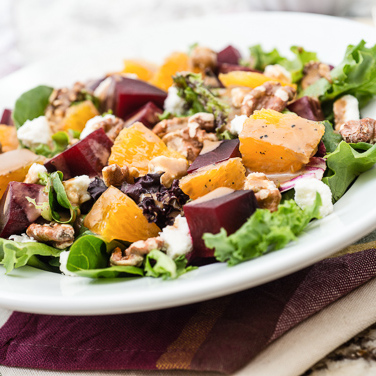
(181,352)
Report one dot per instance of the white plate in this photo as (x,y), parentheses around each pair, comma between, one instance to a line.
(32,290)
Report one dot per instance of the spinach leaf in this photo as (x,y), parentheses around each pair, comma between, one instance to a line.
(345,164)
(89,257)
(263,232)
(31,105)
(16,254)
(158,264)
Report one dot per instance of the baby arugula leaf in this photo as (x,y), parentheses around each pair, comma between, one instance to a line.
(263,232)
(31,105)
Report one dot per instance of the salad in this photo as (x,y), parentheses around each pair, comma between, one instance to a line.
(208,157)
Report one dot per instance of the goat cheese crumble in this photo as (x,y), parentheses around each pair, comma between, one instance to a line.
(32,176)
(173,103)
(23,238)
(76,189)
(237,123)
(177,239)
(345,109)
(305,195)
(35,132)
(93,124)
(63,264)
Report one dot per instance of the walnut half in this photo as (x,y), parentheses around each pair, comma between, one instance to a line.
(363,130)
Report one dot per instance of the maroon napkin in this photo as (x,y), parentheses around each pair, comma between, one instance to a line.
(218,335)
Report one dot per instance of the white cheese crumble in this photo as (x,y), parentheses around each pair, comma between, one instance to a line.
(305,195)
(35,132)
(345,109)
(173,103)
(63,264)
(177,239)
(23,238)
(278,72)
(32,176)
(93,124)
(237,123)
(76,189)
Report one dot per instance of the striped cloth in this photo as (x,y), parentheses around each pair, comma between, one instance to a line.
(221,335)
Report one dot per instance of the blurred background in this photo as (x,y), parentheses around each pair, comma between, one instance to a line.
(33,29)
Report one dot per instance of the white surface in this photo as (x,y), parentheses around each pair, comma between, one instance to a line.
(32,290)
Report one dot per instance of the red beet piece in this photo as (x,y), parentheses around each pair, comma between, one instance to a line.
(87,157)
(16,212)
(229,211)
(226,68)
(131,94)
(6,118)
(226,149)
(229,55)
(307,108)
(147,115)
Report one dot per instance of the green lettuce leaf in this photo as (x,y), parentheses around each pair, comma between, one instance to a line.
(261,59)
(89,256)
(16,254)
(345,164)
(31,105)
(330,138)
(355,75)
(200,98)
(263,232)
(165,267)
(60,142)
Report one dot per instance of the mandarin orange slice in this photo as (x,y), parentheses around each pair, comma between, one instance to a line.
(14,166)
(144,70)
(272,142)
(248,79)
(230,174)
(176,62)
(116,216)
(136,146)
(8,138)
(77,116)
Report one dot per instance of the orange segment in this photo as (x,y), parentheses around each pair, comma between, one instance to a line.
(77,116)
(144,70)
(272,142)
(136,146)
(230,174)
(14,166)
(176,62)
(8,138)
(247,79)
(116,216)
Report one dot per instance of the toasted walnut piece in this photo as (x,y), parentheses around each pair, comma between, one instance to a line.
(187,145)
(112,127)
(267,194)
(59,235)
(202,58)
(134,255)
(201,120)
(115,175)
(237,96)
(170,125)
(313,71)
(172,168)
(359,131)
(270,95)
(59,102)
